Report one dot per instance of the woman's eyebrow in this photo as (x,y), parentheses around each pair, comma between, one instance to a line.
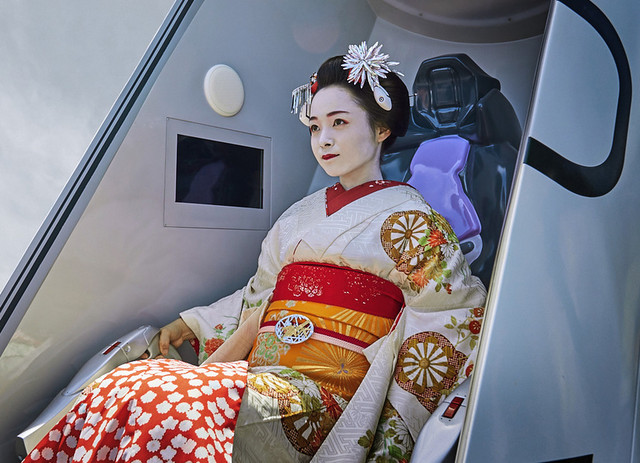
(331,114)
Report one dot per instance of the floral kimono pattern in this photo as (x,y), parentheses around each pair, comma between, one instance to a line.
(386,229)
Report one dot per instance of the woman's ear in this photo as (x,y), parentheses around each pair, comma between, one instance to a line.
(382,134)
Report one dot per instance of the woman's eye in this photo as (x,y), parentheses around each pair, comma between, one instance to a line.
(340,122)
(313,128)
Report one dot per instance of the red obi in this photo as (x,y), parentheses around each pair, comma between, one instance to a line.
(341,286)
(320,319)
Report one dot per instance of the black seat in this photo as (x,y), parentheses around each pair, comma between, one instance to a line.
(455,98)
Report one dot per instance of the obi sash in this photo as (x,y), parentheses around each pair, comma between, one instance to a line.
(338,312)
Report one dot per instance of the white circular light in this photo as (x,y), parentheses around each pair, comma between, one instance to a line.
(224,90)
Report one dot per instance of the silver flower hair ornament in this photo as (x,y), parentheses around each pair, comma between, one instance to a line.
(364,65)
(369,65)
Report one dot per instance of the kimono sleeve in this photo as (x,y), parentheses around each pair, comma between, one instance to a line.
(438,332)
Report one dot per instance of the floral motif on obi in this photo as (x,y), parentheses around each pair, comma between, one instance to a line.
(272,385)
(428,366)
(306,285)
(359,281)
(307,431)
(420,244)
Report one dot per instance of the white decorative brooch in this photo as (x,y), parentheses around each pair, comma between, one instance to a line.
(294,329)
(368,65)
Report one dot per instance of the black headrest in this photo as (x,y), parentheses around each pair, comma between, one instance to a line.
(447,88)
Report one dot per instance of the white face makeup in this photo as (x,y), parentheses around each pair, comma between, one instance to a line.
(342,140)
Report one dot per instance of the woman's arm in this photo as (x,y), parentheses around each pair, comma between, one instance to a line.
(239,344)
(237,347)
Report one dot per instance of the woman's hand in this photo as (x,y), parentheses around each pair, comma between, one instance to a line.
(175,333)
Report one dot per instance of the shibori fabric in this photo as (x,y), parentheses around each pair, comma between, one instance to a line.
(388,230)
(151,411)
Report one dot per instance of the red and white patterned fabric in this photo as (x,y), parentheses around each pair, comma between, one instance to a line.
(338,197)
(151,411)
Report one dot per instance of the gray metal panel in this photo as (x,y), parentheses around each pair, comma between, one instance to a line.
(482,21)
(557,371)
(33,268)
(63,66)
(120,267)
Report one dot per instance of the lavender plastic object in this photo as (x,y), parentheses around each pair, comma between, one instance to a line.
(435,170)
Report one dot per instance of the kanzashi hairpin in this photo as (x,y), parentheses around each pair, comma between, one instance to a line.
(369,65)
(363,65)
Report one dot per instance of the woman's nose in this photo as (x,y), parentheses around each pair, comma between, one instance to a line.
(325,138)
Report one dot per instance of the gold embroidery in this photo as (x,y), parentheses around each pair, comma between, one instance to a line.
(428,365)
(420,244)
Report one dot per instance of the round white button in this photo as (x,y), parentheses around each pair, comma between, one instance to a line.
(224,90)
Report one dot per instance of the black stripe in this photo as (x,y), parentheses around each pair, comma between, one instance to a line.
(582,459)
(586,180)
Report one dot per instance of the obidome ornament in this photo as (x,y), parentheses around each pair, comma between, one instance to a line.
(294,329)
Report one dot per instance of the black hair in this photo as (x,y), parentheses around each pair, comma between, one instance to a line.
(396,120)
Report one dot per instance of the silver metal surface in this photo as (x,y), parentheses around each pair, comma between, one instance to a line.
(557,370)
(482,21)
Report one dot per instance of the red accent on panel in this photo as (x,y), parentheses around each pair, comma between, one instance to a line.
(111,347)
(453,407)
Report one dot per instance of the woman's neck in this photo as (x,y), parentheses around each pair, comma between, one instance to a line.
(356,178)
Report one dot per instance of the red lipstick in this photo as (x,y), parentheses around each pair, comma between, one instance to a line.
(328,156)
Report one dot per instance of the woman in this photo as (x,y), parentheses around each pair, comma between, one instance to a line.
(361,317)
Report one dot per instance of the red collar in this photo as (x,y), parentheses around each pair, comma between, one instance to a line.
(338,197)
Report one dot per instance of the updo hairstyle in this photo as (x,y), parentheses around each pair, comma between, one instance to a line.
(396,120)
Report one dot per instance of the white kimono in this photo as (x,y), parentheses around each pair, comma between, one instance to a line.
(389,231)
